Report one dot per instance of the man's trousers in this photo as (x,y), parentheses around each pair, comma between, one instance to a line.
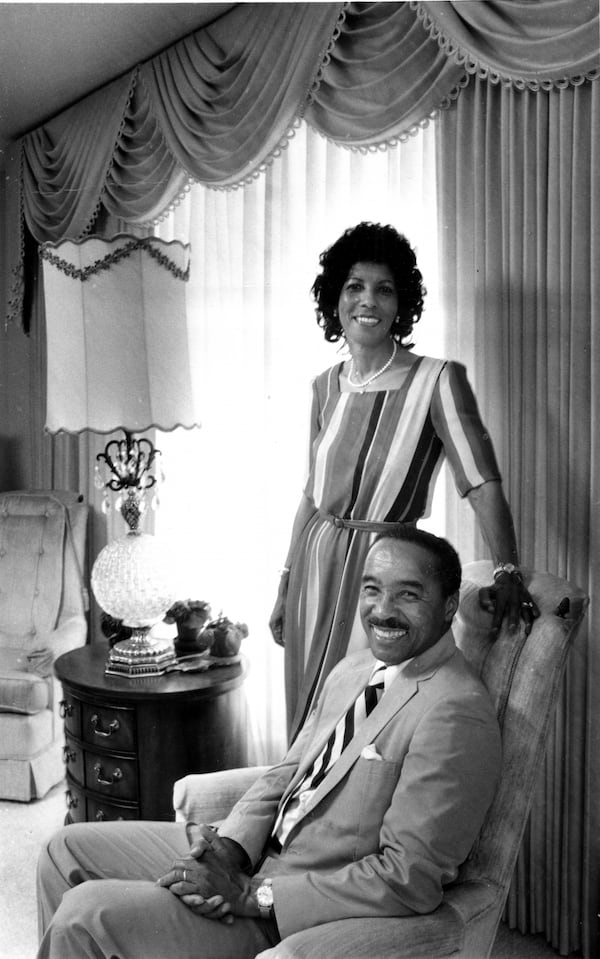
(98,898)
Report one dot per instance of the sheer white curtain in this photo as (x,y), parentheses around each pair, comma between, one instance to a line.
(232,487)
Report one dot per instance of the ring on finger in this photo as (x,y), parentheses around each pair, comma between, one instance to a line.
(185,875)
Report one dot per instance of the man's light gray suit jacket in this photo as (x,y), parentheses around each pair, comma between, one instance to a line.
(389,825)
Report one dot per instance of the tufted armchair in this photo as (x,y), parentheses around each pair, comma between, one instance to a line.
(42,614)
(523,676)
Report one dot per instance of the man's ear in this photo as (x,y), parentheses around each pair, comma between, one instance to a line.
(452,606)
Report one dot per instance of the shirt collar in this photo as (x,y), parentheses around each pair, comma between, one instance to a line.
(391,672)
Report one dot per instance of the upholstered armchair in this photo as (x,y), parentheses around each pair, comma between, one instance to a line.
(523,676)
(42,615)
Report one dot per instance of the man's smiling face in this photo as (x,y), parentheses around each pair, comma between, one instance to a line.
(402,607)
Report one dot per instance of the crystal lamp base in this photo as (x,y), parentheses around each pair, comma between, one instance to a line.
(140,655)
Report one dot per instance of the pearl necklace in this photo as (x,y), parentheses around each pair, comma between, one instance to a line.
(362,386)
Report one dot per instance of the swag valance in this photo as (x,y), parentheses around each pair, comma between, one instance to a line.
(220,104)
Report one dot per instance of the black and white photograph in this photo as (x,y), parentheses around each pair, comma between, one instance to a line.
(299,480)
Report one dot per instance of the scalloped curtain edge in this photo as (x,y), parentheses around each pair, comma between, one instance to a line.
(461,57)
(264,163)
(405,134)
(476,67)
(109,166)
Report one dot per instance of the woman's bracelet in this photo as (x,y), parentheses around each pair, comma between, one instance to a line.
(509,568)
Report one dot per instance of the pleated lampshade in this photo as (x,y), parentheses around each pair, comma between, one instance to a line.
(118,358)
(117,337)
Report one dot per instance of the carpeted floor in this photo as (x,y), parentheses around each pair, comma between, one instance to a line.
(23,828)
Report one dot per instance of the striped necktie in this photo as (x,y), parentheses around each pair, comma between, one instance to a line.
(346,728)
(337,742)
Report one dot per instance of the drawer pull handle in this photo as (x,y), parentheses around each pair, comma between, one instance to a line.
(107,782)
(113,726)
(65,709)
(69,755)
(72,801)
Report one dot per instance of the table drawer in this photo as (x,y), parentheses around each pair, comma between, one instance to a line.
(113,775)
(98,811)
(73,757)
(109,726)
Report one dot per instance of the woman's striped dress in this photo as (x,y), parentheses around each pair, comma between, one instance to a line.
(374,456)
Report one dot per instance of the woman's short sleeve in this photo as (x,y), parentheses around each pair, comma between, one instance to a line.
(315,416)
(467,443)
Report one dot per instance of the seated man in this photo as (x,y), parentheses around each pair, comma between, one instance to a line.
(371,812)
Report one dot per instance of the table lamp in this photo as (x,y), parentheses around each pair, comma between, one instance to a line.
(118,359)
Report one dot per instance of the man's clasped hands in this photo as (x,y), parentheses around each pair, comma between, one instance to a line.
(211,881)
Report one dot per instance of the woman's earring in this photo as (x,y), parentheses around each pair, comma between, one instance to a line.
(335,314)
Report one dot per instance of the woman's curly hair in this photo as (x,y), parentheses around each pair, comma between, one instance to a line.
(369,243)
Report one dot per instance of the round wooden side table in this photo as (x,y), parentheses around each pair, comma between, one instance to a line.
(128,739)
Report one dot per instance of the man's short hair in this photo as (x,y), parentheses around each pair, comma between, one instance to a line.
(447,565)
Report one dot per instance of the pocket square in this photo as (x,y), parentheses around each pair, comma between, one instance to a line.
(369,752)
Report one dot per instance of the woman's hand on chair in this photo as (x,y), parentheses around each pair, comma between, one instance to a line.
(508,599)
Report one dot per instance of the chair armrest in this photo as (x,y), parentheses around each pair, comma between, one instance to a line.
(37,653)
(472,899)
(207,797)
(69,635)
(462,927)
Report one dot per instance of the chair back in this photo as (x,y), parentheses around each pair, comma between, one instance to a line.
(523,675)
(42,545)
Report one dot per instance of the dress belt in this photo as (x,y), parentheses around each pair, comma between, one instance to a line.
(367,525)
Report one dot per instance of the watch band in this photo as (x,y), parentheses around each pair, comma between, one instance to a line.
(509,568)
(264,899)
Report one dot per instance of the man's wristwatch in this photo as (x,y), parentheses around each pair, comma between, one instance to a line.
(264,898)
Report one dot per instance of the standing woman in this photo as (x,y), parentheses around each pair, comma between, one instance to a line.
(381,423)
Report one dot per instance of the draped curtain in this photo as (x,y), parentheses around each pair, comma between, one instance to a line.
(513,86)
(519,194)
(220,105)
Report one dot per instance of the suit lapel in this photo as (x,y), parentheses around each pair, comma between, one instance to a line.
(404,687)
(394,700)
(338,704)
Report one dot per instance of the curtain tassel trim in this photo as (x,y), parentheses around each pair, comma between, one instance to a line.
(313,87)
(111,162)
(324,60)
(16,291)
(382,146)
(476,68)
